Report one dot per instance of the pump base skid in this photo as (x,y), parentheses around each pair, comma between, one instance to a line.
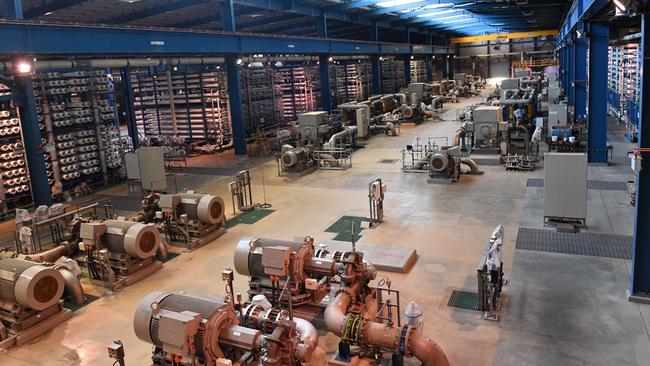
(298,173)
(197,242)
(37,330)
(486,159)
(124,281)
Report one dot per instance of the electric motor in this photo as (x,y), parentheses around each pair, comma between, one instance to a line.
(249,257)
(293,157)
(136,239)
(30,284)
(218,327)
(204,207)
(438,162)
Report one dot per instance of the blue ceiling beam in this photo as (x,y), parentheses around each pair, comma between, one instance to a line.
(266,21)
(287,27)
(416,4)
(210,18)
(159,9)
(155,10)
(292,7)
(351,5)
(36,39)
(197,21)
(50,7)
(580,10)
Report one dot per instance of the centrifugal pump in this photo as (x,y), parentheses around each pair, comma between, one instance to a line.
(185,329)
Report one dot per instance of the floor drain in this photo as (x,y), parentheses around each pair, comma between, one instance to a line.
(464,300)
(388,161)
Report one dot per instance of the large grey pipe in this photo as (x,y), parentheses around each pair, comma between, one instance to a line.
(117,63)
(308,336)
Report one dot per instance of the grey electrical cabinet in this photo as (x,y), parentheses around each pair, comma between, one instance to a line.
(565,186)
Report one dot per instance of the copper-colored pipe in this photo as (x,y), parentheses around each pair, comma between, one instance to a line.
(380,335)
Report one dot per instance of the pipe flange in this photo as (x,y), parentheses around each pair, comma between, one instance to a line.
(405,335)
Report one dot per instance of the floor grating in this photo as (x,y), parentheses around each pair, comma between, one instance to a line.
(388,161)
(590,244)
(597,185)
(68,304)
(464,300)
(343,227)
(249,217)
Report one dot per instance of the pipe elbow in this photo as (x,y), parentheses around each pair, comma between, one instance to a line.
(427,351)
(308,336)
(335,313)
(73,286)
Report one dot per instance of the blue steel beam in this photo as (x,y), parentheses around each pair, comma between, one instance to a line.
(580,10)
(597,123)
(50,7)
(326,93)
(159,9)
(287,27)
(35,38)
(351,5)
(640,278)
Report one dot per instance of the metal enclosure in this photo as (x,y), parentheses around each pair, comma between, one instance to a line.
(510,84)
(565,186)
(557,116)
(152,168)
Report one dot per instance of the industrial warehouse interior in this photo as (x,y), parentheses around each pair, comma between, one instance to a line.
(334,182)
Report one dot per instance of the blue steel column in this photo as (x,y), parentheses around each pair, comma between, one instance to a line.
(374,60)
(24,92)
(130,108)
(234,83)
(580,84)
(228,16)
(406,38)
(12,9)
(236,109)
(321,31)
(571,72)
(640,286)
(597,122)
(429,60)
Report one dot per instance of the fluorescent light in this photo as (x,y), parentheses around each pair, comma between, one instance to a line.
(239,61)
(459,21)
(447,18)
(391,3)
(434,13)
(619,5)
(48,13)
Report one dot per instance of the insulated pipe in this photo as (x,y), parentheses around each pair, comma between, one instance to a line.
(73,286)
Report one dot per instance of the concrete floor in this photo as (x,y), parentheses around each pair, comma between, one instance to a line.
(559,309)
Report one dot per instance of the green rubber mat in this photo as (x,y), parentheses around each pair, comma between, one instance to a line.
(343,227)
(170,256)
(464,300)
(68,304)
(249,217)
